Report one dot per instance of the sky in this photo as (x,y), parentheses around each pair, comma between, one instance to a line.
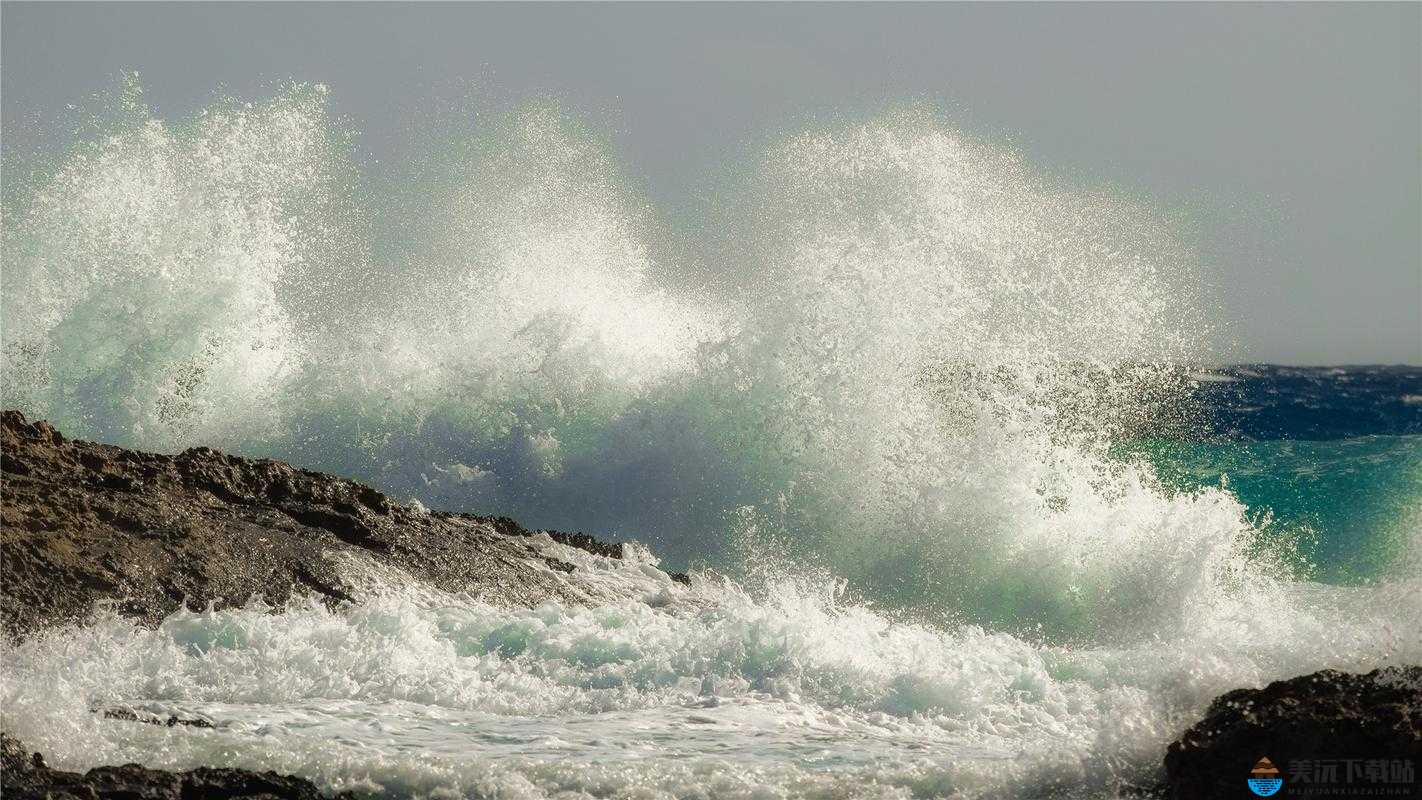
(1286,139)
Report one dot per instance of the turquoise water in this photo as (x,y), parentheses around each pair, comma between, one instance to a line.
(1347,507)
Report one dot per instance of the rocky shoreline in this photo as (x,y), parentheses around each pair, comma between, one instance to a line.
(85,526)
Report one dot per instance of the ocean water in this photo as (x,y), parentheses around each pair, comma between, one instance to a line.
(968,510)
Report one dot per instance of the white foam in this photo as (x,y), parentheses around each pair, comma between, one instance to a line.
(707,688)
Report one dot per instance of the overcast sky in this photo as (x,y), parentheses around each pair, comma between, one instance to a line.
(1287,137)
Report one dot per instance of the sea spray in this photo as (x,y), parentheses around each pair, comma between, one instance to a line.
(930,317)
(892,438)
(143,275)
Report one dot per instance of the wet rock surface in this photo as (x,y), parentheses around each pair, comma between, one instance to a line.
(25,776)
(1332,734)
(86,524)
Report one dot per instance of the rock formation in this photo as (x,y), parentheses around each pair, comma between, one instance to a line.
(86,523)
(1336,734)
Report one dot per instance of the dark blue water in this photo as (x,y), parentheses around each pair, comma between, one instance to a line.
(1328,460)
(1265,402)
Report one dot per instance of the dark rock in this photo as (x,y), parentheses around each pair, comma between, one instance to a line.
(1302,725)
(84,523)
(25,776)
(170,721)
